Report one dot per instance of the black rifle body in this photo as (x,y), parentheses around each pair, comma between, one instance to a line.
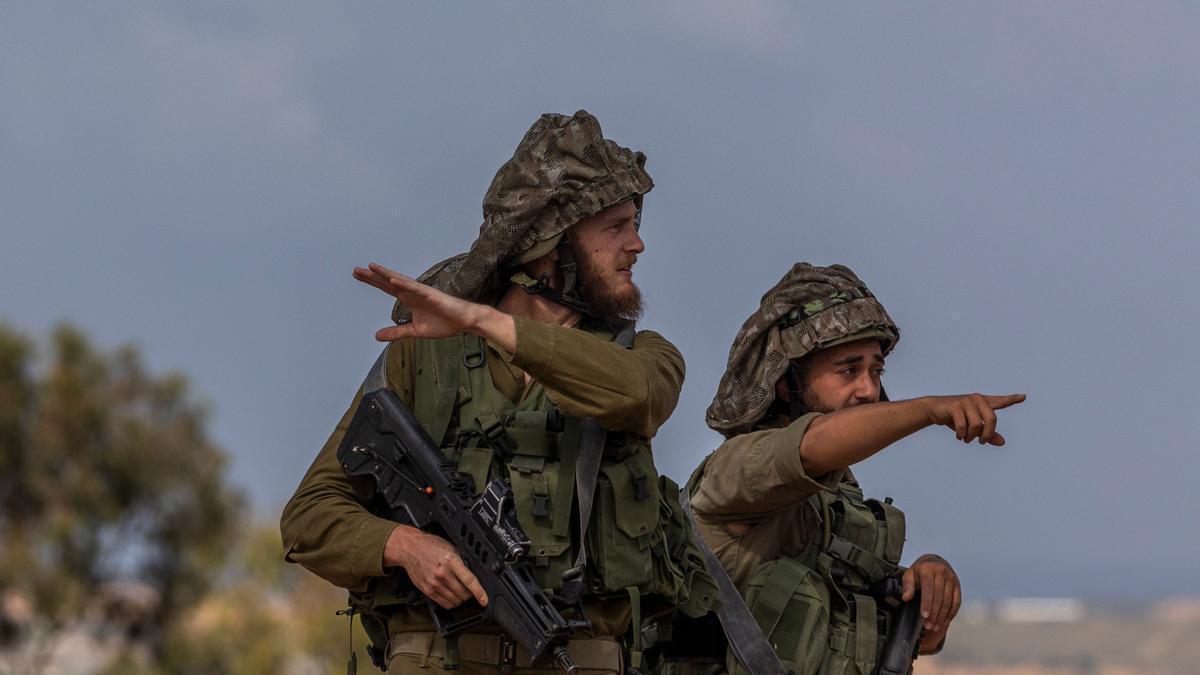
(904,639)
(421,487)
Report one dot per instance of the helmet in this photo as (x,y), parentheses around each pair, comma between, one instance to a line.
(811,308)
(563,171)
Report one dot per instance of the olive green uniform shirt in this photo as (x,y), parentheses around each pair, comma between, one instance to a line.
(327,529)
(756,479)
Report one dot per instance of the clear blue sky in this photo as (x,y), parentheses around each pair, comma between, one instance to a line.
(1017,182)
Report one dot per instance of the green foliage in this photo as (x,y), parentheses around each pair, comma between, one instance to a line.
(107,473)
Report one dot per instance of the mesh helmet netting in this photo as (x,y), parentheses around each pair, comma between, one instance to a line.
(810,308)
(562,171)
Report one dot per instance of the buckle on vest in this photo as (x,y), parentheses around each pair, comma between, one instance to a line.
(641,491)
(496,438)
(472,359)
(540,506)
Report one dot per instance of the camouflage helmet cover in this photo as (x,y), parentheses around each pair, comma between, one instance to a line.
(809,309)
(563,171)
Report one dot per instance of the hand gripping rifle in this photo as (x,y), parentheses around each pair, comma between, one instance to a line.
(421,487)
(904,639)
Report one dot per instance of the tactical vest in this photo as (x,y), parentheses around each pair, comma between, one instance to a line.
(818,609)
(639,542)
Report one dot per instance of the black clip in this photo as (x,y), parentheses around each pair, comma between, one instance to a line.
(376,657)
(496,438)
(540,506)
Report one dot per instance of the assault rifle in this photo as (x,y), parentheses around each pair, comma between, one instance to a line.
(904,639)
(421,487)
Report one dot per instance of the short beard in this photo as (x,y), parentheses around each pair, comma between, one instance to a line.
(813,404)
(605,301)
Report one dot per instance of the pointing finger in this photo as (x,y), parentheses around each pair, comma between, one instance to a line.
(1001,402)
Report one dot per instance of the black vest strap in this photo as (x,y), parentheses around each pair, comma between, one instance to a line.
(587,466)
(743,632)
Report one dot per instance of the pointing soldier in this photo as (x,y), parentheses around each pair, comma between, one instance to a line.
(800,402)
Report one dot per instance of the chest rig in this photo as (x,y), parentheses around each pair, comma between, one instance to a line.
(822,610)
(535,446)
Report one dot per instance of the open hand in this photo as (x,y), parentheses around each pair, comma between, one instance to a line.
(971,416)
(434,314)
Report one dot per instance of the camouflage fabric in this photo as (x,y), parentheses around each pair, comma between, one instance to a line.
(563,170)
(809,309)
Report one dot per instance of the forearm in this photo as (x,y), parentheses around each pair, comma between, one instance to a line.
(850,435)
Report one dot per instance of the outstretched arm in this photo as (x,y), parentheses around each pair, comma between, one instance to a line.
(436,314)
(850,435)
(624,389)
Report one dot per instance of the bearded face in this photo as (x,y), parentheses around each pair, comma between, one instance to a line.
(605,247)
(606,288)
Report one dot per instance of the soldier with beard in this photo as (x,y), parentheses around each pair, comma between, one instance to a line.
(800,402)
(497,351)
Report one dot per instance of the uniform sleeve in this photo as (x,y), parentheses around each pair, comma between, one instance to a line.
(752,475)
(325,526)
(624,389)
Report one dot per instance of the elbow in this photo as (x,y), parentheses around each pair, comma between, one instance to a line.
(290,528)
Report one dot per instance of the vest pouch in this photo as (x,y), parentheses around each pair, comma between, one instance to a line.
(855,642)
(625,527)
(891,520)
(792,605)
(535,489)
(679,571)
(874,528)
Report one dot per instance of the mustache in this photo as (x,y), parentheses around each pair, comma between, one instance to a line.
(627,262)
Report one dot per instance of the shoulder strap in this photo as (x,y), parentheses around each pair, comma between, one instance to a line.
(743,632)
(587,466)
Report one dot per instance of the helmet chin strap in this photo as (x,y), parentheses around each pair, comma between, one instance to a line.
(568,295)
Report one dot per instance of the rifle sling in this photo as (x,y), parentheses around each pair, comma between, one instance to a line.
(743,632)
(587,466)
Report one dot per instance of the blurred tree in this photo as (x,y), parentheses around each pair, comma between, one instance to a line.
(107,478)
